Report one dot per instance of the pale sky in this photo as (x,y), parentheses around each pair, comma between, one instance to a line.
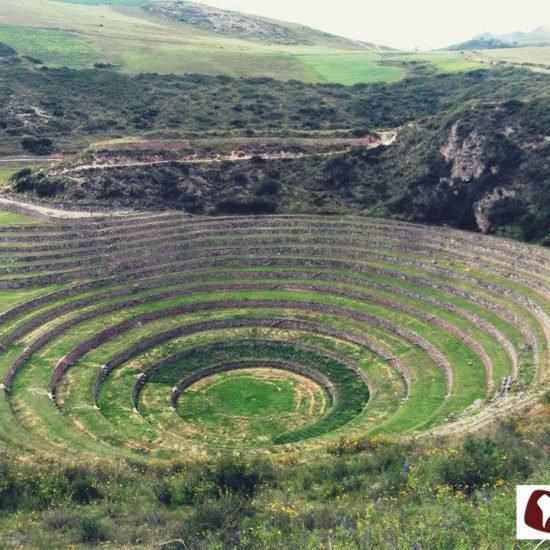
(403,24)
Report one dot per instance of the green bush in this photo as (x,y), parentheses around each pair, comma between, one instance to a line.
(6,51)
(253,206)
(479,462)
(84,491)
(237,476)
(93,531)
(38,146)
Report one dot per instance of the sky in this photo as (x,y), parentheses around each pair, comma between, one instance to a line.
(403,24)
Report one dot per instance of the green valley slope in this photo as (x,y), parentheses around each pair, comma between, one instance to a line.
(161,38)
(471,149)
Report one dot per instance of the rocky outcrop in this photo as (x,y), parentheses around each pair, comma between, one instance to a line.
(224,22)
(482,208)
(465,154)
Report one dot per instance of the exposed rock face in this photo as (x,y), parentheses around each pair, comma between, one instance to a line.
(465,154)
(224,22)
(483,206)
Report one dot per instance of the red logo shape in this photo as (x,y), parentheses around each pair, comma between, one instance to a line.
(537,513)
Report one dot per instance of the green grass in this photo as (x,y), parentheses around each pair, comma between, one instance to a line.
(240,394)
(55,47)
(9,218)
(204,59)
(443,62)
(5,174)
(351,68)
(246,406)
(422,404)
(81,33)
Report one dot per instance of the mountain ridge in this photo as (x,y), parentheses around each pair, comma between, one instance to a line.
(540,36)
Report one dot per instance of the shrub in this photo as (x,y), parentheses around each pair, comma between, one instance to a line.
(347,446)
(37,146)
(235,476)
(269,187)
(23,173)
(258,160)
(34,60)
(254,206)
(223,516)
(507,210)
(60,521)
(340,173)
(84,491)
(240,178)
(93,531)
(47,188)
(480,462)
(6,51)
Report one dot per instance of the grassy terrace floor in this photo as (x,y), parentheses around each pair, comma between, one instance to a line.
(149,335)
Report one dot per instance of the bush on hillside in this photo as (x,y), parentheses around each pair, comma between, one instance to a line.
(37,146)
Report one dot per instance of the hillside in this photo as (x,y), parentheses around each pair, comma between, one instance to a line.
(483,43)
(470,150)
(76,108)
(541,33)
(246,27)
(135,37)
(487,41)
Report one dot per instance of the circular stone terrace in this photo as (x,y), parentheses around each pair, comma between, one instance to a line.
(153,335)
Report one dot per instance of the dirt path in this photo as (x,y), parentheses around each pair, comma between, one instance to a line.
(386,140)
(30,160)
(49,212)
(20,207)
(511,404)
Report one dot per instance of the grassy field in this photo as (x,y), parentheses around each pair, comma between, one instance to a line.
(8,218)
(6,174)
(351,68)
(256,406)
(80,34)
(521,56)
(443,62)
(53,47)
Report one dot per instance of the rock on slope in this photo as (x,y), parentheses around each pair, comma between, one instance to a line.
(239,25)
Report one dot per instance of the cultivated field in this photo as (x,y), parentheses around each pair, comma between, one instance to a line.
(152,335)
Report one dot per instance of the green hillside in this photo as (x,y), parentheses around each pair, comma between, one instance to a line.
(133,39)
(530,49)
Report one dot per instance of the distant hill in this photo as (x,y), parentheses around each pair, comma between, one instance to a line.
(244,26)
(542,32)
(487,41)
(482,43)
